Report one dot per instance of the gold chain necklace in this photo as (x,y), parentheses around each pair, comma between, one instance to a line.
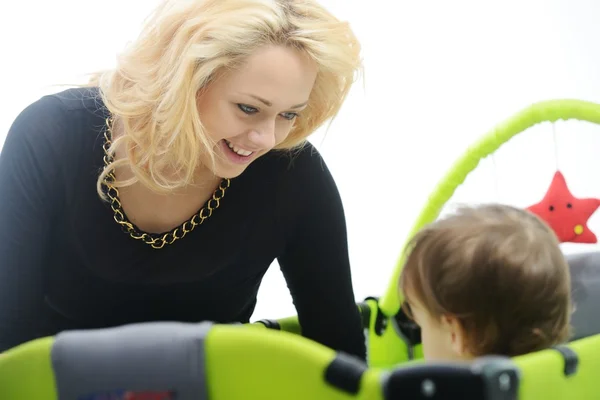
(157,241)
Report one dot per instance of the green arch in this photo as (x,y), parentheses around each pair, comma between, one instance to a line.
(545,111)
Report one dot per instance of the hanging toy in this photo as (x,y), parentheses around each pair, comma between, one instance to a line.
(566,214)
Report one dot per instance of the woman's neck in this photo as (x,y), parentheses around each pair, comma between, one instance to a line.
(155,212)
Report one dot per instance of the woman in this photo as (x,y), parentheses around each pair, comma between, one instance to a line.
(164,190)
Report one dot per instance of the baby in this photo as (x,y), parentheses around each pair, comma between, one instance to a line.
(487,280)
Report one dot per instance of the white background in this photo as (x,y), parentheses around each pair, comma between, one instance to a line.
(438,75)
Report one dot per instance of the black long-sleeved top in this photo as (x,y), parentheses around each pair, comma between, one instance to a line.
(66,264)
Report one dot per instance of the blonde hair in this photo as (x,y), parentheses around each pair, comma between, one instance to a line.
(183,46)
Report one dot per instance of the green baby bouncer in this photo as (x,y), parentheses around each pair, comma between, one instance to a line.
(269,359)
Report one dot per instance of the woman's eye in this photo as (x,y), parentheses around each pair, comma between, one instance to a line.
(289,115)
(253,110)
(247,109)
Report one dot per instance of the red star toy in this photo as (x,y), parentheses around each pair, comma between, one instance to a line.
(566,214)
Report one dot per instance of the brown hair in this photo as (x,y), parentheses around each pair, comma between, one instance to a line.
(500,271)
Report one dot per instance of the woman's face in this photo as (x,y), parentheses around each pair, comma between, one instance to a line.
(250,110)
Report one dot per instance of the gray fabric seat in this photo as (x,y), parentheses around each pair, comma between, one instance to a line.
(585,290)
(155,360)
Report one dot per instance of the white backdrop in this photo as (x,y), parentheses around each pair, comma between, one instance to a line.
(438,75)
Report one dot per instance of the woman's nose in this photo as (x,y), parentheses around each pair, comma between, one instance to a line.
(263,136)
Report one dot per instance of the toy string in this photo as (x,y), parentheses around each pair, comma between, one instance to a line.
(496,178)
(555,140)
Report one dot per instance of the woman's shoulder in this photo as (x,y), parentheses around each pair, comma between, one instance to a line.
(298,172)
(87,99)
(62,117)
(65,106)
(59,131)
(286,174)
(79,103)
(298,163)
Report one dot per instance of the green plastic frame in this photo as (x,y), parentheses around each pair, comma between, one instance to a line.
(385,350)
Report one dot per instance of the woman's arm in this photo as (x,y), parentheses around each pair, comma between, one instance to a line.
(316,264)
(30,189)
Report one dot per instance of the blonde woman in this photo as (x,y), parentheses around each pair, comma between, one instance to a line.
(165,189)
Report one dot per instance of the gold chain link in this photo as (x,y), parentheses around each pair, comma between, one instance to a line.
(160,240)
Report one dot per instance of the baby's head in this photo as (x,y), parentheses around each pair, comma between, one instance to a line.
(487,280)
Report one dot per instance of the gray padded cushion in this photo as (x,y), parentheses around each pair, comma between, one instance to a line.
(585,282)
(149,357)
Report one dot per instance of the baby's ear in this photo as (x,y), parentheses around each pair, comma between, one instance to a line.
(457,336)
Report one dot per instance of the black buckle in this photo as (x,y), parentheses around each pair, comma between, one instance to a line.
(409,329)
(381,320)
(486,378)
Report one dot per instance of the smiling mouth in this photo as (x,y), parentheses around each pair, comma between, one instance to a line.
(237,150)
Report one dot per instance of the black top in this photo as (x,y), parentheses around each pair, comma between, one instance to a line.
(66,264)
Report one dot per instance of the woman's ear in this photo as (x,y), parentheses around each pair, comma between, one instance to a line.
(456,335)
